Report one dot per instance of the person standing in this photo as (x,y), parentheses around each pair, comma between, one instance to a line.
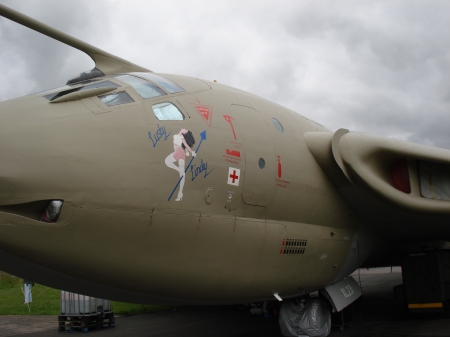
(27,284)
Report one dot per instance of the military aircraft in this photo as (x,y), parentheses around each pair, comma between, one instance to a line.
(156,188)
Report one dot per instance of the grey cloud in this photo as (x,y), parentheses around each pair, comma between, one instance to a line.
(395,53)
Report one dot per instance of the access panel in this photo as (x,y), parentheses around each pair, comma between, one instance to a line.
(260,161)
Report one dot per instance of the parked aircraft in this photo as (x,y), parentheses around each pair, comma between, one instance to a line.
(144,187)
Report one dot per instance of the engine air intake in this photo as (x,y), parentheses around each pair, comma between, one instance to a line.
(400,176)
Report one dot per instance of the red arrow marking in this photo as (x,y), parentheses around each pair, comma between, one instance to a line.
(229,119)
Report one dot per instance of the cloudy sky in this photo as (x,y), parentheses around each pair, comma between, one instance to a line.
(380,67)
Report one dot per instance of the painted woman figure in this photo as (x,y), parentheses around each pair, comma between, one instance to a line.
(182,145)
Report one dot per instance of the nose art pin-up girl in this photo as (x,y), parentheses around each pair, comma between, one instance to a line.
(182,145)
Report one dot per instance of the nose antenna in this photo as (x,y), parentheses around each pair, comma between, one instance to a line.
(105,63)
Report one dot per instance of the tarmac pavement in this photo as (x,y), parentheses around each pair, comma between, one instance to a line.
(375,314)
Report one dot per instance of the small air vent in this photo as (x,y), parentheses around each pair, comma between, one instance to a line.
(293,246)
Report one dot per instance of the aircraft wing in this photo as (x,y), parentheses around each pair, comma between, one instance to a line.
(105,62)
(400,189)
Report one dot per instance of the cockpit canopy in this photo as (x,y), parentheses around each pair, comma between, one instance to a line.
(147,85)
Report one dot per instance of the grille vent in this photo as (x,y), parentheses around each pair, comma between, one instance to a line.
(293,246)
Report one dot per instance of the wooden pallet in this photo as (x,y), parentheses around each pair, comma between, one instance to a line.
(85,323)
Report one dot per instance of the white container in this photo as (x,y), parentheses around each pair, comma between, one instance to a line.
(76,304)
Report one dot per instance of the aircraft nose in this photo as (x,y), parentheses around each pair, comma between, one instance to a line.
(64,152)
(23,139)
(29,183)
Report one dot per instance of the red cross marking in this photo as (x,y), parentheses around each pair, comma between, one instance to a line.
(234,176)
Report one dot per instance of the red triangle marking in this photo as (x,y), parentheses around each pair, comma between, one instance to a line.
(205,112)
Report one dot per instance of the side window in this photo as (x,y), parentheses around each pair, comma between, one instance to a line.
(277,124)
(167,112)
(116,98)
(143,87)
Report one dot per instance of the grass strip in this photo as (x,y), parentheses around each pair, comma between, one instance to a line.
(46,301)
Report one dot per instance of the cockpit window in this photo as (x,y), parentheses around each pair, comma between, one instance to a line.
(164,83)
(102,84)
(167,112)
(143,87)
(116,98)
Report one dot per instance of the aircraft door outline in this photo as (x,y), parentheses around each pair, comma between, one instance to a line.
(258,180)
